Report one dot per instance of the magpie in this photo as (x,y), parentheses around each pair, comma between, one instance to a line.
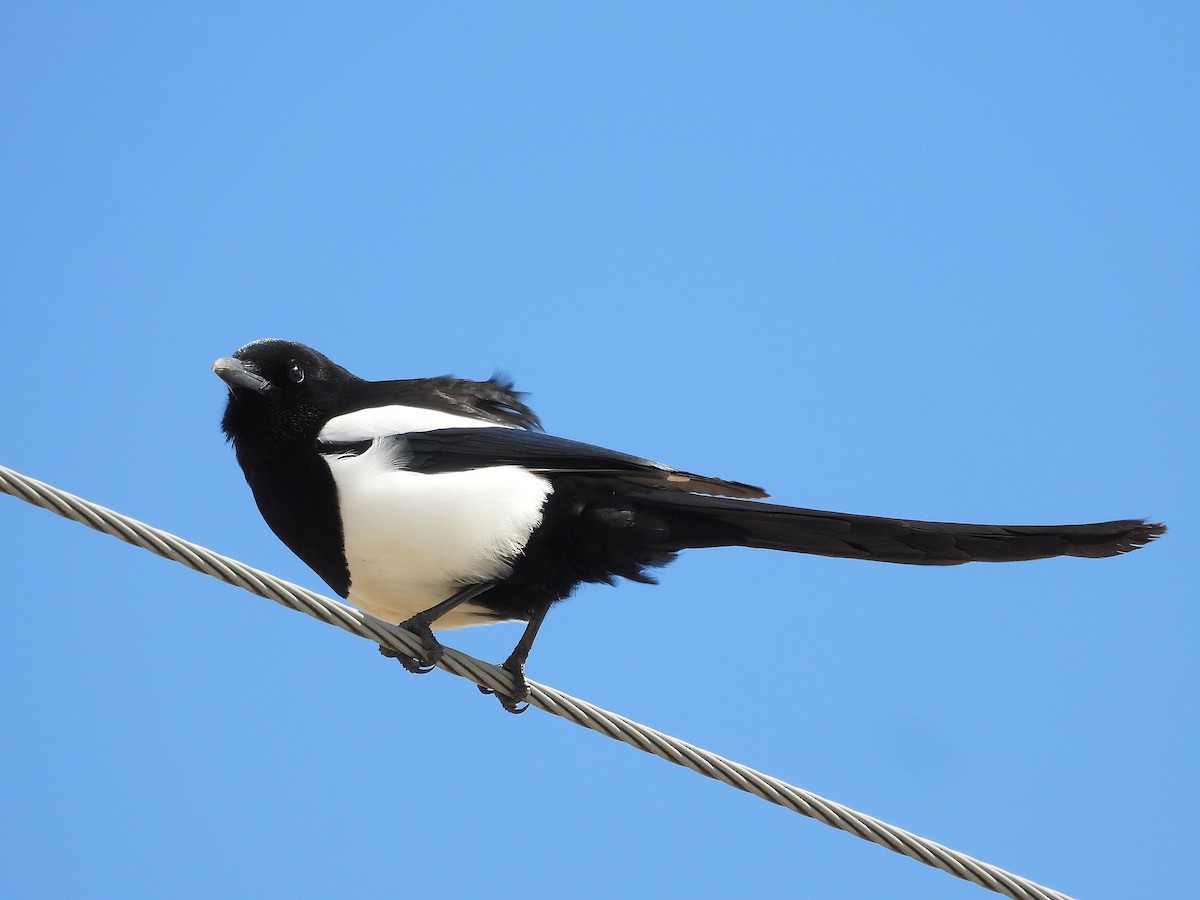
(441,503)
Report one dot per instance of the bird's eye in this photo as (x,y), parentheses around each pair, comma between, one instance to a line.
(295,374)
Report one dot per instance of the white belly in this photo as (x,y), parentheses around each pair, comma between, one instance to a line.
(413,539)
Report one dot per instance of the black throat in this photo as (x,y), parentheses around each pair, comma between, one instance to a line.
(295,493)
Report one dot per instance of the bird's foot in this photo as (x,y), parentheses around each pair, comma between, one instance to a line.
(512,702)
(428,660)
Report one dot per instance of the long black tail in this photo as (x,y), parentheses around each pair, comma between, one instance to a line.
(701,521)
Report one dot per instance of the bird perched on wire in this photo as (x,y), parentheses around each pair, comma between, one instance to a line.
(439,503)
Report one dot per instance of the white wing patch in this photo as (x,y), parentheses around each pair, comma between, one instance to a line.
(378,421)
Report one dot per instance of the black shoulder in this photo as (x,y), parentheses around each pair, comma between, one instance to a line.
(493,400)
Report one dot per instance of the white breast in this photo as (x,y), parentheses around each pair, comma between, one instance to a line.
(412,539)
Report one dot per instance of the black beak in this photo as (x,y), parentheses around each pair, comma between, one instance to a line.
(237,374)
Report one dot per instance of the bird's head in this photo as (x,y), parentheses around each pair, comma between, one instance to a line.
(280,393)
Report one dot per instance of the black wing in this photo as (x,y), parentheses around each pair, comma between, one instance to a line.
(459,449)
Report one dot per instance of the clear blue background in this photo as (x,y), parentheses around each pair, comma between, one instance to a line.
(931,260)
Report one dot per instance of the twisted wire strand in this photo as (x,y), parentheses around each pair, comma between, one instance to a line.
(543,697)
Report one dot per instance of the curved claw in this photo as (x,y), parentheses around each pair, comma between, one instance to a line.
(416,665)
(513,706)
(507,702)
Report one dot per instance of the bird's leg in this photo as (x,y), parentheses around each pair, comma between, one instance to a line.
(419,625)
(515,664)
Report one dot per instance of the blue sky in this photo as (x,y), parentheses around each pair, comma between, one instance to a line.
(930,260)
